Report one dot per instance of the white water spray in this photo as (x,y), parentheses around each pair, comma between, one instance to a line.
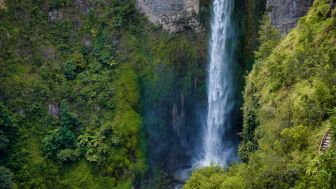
(217,147)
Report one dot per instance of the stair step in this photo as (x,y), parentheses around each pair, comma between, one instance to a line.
(325,142)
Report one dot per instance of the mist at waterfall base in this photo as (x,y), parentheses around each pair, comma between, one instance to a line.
(173,113)
(184,128)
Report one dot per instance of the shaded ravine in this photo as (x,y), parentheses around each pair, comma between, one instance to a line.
(175,110)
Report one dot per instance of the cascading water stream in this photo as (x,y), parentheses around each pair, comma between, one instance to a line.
(219,139)
(217,145)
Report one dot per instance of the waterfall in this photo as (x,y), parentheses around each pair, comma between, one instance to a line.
(218,146)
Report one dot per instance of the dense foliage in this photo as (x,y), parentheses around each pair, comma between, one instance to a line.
(71,77)
(76,104)
(289,105)
(86,87)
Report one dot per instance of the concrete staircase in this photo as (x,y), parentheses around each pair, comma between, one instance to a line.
(325,142)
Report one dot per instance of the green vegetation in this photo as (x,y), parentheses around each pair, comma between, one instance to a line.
(289,104)
(79,80)
(6,178)
(74,103)
(71,79)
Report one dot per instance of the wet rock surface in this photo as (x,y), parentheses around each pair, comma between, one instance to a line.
(286,13)
(2,4)
(173,15)
(53,110)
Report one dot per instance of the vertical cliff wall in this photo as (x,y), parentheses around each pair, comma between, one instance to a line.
(250,18)
(2,4)
(285,13)
(172,15)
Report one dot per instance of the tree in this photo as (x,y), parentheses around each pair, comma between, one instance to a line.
(69,70)
(68,119)
(6,128)
(269,37)
(206,178)
(74,65)
(6,178)
(61,144)
(58,140)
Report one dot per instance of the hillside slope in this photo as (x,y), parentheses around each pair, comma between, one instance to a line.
(289,105)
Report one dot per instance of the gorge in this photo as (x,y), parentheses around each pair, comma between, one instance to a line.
(164,94)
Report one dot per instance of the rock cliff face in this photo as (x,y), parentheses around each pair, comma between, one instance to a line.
(285,13)
(2,4)
(173,15)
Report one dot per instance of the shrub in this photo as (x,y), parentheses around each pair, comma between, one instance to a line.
(58,140)
(68,155)
(209,177)
(68,119)
(6,128)
(69,70)
(6,178)
(94,145)
(295,138)
(269,37)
